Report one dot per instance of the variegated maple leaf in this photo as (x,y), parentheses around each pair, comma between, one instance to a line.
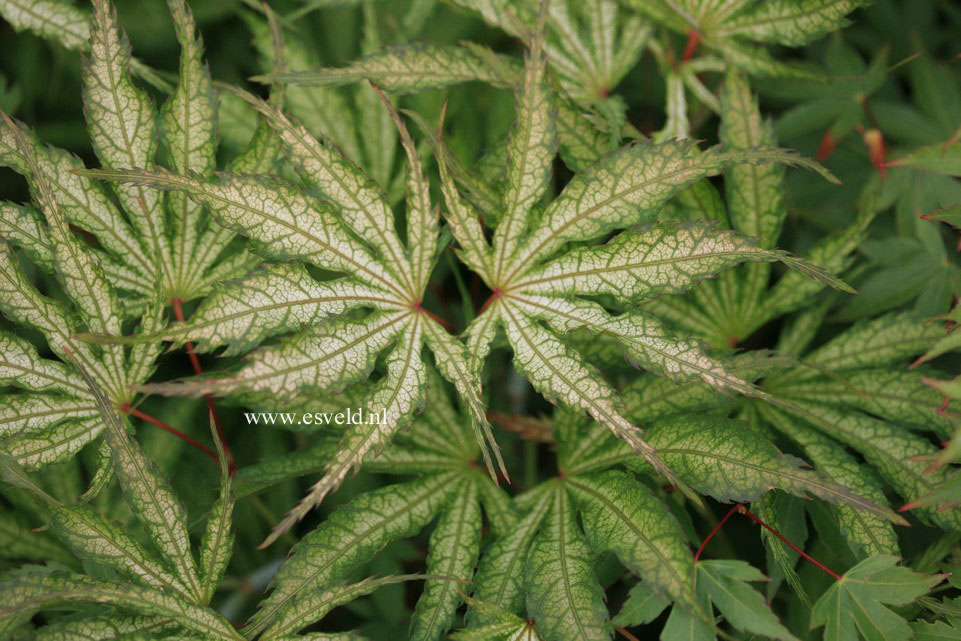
(848,393)
(584,135)
(540,286)
(156,586)
(449,487)
(148,248)
(590,46)
(162,588)
(543,566)
(737,29)
(337,220)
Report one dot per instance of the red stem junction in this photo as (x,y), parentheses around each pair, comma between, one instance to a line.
(693,39)
(198,370)
(741,509)
(173,430)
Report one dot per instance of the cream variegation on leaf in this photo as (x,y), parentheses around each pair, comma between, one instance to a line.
(541,288)
(137,250)
(343,325)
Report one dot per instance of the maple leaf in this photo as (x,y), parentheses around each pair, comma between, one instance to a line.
(164,581)
(449,484)
(738,30)
(350,230)
(147,249)
(538,289)
(854,606)
(620,514)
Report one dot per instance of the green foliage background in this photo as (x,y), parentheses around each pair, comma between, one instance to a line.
(804,371)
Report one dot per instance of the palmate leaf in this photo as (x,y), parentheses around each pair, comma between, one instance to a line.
(533,297)
(543,566)
(617,514)
(352,534)
(42,429)
(854,606)
(590,46)
(815,409)
(152,249)
(723,584)
(26,592)
(732,28)
(450,484)
(846,388)
(169,241)
(880,431)
(728,310)
(166,589)
(384,275)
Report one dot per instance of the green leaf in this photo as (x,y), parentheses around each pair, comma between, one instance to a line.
(24,304)
(924,631)
(942,158)
(189,130)
(25,593)
(21,226)
(564,596)
(622,516)
(856,602)
(725,584)
(454,546)
(349,537)
(642,606)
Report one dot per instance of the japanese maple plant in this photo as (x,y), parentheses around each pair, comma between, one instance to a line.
(483,320)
